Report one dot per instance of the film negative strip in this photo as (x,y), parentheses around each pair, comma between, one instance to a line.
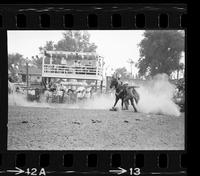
(46,131)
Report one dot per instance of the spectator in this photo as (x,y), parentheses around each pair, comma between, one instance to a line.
(75,66)
(89,68)
(80,66)
(63,61)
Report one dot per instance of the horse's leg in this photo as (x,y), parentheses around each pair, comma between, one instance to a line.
(136,99)
(63,97)
(122,103)
(135,96)
(47,98)
(116,100)
(126,102)
(132,103)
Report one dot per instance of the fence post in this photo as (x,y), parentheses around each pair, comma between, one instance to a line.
(27,76)
(101,86)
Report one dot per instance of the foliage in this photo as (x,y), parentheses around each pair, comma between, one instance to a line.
(179,97)
(74,41)
(181,84)
(15,61)
(160,52)
(123,72)
(37,61)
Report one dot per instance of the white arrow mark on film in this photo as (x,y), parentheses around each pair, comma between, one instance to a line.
(1,171)
(120,171)
(18,171)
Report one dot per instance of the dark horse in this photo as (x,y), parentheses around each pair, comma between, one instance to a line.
(125,93)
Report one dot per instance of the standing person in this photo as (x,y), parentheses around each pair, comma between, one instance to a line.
(60,93)
(63,63)
(37,94)
(62,88)
(74,96)
(91,68)
(79,95)
(75,66)
(87,67)
(80,67)
(50,84)
(69,92)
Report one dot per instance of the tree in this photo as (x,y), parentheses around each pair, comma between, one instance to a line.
(160,52)
(49,46)
(78,41)
(123,72)
(74,41)
(15,61)
(37,61)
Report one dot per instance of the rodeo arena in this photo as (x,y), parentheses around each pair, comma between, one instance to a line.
(73,105)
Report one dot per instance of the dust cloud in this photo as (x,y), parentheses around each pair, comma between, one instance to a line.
(155,97)
(97,102)
(100,102)
(16,99)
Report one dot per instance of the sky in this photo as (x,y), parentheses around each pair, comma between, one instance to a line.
(116,46)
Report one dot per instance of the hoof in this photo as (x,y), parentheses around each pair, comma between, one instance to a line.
(113,109)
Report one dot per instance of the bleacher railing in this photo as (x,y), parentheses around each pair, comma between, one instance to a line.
(63,69)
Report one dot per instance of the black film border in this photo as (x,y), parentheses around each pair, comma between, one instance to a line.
(89,17)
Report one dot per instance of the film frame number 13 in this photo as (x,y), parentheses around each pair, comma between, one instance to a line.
(134,171)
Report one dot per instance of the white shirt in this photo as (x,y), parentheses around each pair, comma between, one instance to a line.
(63,61)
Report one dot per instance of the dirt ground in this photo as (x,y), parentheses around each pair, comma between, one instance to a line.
(34,128)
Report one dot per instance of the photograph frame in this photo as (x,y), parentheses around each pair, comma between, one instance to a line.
(9,23)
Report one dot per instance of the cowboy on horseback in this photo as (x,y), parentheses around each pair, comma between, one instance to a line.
(115,82)
(124,92)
